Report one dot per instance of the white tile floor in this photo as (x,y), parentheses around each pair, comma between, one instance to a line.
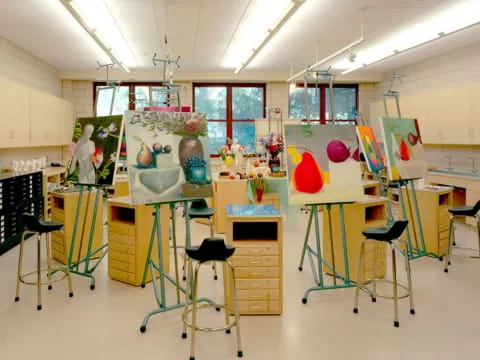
(104,323)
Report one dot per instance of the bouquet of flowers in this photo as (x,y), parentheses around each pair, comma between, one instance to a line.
(224,151)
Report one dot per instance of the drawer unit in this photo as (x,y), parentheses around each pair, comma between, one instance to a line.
(64,209)
(19,193)
(129,231)
(257,261)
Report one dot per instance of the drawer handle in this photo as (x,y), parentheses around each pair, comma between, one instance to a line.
(256,285)
(255,274)
(255,251)
(254,296)
(254,262)
(254,307)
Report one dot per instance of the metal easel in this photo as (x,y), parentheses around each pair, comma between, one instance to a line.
(75,265)
(418,248)
(317,266)
(315,76)
(160,289)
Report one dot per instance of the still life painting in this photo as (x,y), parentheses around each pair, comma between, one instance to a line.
(403,148)
(370,149)
(323,164)
(93,150)
(167,155)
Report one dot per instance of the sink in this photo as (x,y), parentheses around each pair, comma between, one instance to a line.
(455,172)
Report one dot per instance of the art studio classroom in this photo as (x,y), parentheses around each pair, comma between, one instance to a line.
(225,179)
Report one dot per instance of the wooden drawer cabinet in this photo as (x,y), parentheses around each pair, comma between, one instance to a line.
(433,203)
(257,260)
(63,210)
(371,212)
(129,230)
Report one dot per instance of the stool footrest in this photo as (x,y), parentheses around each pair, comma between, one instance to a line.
(217,306)
(44,282)
(370,292)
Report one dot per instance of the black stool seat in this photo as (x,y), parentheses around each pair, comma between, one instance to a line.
(465,210)
(386,233)
(211,249)
(201,213)
(41,226)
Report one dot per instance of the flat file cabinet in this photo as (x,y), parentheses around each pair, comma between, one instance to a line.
(129,231)
(256,232)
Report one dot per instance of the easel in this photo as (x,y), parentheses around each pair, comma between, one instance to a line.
(75,265)
(159,289)
(315,75)
(318,277)
(419,250)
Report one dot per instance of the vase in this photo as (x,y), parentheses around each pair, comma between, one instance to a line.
(259,194)
(188,147)
(198,174)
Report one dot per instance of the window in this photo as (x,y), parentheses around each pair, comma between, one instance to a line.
(129,96)
(231,110)
(345,97)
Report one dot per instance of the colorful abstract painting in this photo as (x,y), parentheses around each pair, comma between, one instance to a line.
(93,151)
(403,148)
(167,156)
(370,148)
(323,164)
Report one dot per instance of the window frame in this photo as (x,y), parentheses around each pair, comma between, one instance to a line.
(131,90)
(229,102)
(322,103)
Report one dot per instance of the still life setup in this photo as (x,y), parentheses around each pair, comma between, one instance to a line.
(167,155)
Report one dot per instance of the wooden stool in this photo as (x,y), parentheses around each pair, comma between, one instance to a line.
(211,249)
(386,234)
(39,227)
(461,211)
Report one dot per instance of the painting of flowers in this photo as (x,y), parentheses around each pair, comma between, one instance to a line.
(167,155)
(403,148)
(93,150)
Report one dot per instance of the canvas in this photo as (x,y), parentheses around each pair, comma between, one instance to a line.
(167,156)
(370,148)
(94,149)
(323,164)
(403,148)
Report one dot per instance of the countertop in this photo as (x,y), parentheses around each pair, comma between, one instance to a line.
(457,174)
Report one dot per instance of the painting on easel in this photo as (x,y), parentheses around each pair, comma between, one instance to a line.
(403,148)
(167,156)
(370,148)
(323,164)
(93,150)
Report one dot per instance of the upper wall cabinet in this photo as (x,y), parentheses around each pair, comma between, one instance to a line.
(14,114)
(30,117)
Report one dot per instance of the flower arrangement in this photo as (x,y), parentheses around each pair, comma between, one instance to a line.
(224,151)
(259,184)
(183,124)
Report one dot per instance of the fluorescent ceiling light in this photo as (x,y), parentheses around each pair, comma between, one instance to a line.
(97,20)
(329,57)
(259,24)
(446,19)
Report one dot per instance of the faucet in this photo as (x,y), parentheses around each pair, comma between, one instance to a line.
(449,157)
(474,171)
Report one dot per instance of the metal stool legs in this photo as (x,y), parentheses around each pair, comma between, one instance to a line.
(38,271)
(373,293)
(193,308)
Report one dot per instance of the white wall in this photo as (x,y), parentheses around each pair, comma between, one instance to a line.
(447,70)
(20,66)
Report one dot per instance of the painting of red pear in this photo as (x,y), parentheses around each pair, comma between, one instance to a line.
(403,148)
(321,166)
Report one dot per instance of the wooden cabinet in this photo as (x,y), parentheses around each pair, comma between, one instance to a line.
(257,260)
(14,114)
(63,210)
(464,133)
(227,192)
(433,203)
(51,175)
(129,231)
(370,212)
